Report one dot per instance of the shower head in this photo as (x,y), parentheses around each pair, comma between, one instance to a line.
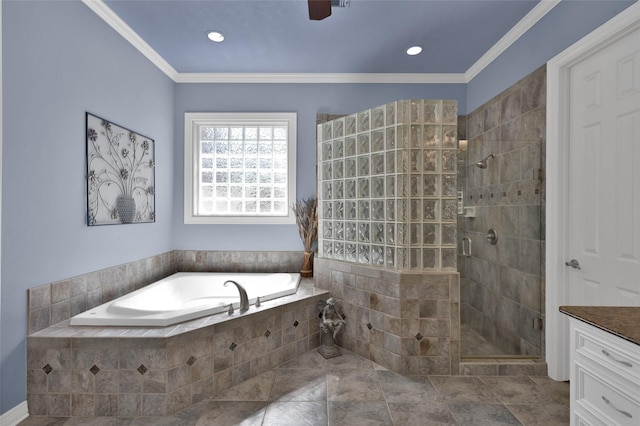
(483,163)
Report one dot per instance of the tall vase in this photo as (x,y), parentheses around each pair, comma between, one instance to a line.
(307,265)
(126,208)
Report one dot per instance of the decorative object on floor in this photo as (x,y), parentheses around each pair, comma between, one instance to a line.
(120,174)
(306,215)
(332,323)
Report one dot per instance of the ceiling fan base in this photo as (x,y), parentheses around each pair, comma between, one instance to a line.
(319,9)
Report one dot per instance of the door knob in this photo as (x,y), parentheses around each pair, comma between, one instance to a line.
(573,263)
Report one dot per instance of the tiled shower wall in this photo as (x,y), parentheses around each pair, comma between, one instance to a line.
(61,300)
(502,284)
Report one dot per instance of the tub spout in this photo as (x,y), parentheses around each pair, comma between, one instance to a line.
(244,300)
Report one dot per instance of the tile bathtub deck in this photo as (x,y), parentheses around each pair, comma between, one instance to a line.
(351,390)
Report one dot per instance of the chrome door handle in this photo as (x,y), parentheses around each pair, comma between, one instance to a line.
(573,263)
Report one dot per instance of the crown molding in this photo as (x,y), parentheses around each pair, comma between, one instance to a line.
(537,13)
(109,16)
(315,78)
(529,20)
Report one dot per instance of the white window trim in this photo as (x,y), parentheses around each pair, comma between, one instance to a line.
(191,122)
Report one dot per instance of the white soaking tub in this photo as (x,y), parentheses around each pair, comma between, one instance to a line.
(185,296)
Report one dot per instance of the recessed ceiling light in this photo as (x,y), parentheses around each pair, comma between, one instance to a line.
(414,50)
(215,36)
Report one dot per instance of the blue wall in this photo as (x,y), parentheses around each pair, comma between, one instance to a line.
(567,23)
(60,60)
(305,99)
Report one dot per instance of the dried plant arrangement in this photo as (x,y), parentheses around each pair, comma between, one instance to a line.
(306,215)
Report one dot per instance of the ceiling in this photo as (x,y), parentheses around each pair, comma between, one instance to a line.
(276,36)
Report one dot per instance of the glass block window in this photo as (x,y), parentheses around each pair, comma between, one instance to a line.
(240,167)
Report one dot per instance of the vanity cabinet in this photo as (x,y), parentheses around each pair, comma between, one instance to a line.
(605,377)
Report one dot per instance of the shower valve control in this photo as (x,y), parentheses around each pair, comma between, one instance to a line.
(491,237)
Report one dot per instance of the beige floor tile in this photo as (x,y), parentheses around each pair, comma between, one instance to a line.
(463,389)
(296,414)
(237,413)
(359,413)
(353,385)
(433,413)
(516,390)
(558,391)
(474,414)
(541,414)
(300,385)
(401,389)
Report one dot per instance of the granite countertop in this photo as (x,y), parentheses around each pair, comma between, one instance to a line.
(622,321)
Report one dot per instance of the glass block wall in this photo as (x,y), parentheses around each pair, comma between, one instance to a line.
(387,186)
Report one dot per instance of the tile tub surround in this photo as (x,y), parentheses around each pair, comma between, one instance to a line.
(407,322)
(502,285)
(112,371)
(58,301)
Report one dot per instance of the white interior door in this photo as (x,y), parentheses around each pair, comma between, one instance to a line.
(603,228)
(592,196)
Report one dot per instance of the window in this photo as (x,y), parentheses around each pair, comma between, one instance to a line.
(239,167)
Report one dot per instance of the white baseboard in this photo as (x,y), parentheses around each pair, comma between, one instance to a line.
(15,415)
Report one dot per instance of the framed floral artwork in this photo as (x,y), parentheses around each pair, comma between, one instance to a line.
(120,174)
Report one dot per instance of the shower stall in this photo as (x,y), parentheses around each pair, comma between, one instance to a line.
(500,254)
(501,225)
(431,232)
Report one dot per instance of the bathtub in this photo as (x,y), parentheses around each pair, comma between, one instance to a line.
(185,296)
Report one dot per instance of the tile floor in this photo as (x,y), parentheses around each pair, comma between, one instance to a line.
(473,344)
(351,390)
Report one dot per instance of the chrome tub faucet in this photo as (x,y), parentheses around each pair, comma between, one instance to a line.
(244,299)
